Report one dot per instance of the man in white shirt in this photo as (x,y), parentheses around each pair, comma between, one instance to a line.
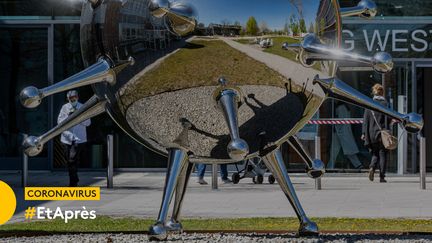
(74,138)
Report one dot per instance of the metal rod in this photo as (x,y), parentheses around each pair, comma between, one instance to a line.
(318,156)
(423,163)
(110,166)
(24,167)
(214,176)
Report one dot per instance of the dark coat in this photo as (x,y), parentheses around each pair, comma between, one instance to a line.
(371,130)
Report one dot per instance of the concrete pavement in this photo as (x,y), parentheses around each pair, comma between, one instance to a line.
(139,195)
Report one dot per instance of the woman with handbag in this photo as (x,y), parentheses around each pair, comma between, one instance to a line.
(376,136)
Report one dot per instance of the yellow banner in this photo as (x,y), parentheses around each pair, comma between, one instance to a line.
(62,193)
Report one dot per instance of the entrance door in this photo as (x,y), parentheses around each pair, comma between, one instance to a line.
(23,62)
(424,104)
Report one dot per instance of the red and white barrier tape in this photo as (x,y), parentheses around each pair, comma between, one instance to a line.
(336,121)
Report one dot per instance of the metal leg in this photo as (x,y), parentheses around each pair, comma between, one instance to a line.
(315,168)
(177,160)
(174,224)
(276,165)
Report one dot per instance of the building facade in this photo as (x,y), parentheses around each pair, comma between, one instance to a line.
(404,29)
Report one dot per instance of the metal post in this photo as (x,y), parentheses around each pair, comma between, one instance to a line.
(318,156)
(423,163)
(403,138)
(24,167)
(214,176)
(110,167)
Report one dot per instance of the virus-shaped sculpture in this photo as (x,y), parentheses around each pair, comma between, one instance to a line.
(212,121)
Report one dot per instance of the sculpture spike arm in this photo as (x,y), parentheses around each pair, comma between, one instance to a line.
(337,89)
(94,106)
(102,71)
(227,99)
(311,49)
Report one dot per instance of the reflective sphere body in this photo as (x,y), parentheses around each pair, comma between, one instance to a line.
(154,99)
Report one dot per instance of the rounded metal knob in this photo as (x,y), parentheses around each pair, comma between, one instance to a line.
(30,97)
(413,122)
(382,62)
(238,149)
(32,146)
(317,170)
(370,9)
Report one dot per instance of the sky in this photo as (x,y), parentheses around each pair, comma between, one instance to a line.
(274,12)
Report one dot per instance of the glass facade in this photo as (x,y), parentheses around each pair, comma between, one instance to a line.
(23,62)
(397,8)
(404,29)
(39,9)
(40,45)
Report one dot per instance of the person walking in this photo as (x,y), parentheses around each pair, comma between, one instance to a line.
(201,168)
(373,123)
(74,138)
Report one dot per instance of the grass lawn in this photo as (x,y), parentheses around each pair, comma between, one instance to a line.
(277,47)
(107,224)
(201,63)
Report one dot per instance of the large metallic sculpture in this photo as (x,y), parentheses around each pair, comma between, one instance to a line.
(218,121)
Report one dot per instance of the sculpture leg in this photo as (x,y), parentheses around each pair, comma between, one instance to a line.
(177,160)
(174,223)
(276,165)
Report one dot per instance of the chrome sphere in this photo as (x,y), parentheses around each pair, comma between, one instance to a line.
(317,170)
(308,228)
(370,7)
(413,122)
(173,226)
(158,231)
(30,97)
(238,149)
(31,146)
(383,62)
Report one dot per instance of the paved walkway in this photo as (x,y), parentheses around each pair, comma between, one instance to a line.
(139,195)
(282,65)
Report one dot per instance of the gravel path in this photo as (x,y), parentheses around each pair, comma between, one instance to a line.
(225,238)
(158,117)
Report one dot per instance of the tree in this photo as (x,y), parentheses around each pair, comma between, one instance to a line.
(252,26)
(225,22)
(286,27)
(237,23)
(294,25)
(264,28)
(311,28)
(302,25)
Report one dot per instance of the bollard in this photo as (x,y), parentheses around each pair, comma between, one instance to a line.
(110,166)
(318,156)
(423,163)
(24,175)
(214,176)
